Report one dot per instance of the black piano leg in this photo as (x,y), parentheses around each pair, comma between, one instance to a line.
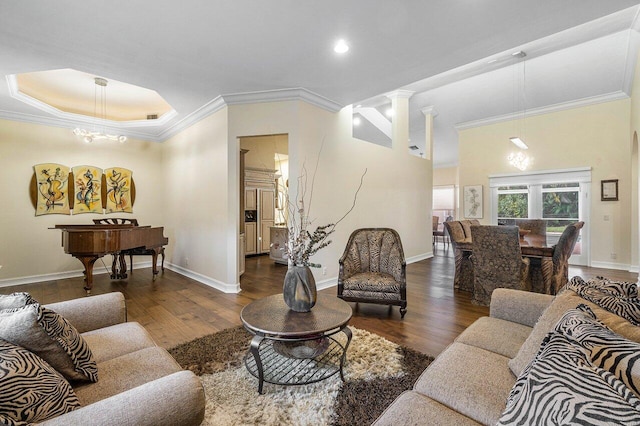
(123,266)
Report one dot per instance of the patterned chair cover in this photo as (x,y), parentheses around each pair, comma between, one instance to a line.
(497,262)
(373,269)
(463,274)
(561,254)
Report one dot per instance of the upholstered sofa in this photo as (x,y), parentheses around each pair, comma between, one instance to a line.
(471,381)
(138,382)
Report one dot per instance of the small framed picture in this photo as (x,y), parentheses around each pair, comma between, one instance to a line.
(472,202)
(609,190)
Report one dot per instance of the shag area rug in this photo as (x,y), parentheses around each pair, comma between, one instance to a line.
(376,371)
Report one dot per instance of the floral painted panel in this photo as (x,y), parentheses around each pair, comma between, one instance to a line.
(52,195)
(118,190)
(472,202)
(87,189)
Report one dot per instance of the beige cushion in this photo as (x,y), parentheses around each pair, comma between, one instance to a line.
(412,408)
(560,305)
(470,380)
(466,225)
(30,389)
(372,281)
(495,335)
(51,337)
(126,372)
(120,339)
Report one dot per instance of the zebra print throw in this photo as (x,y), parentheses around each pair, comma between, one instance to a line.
(616,288)
(30,389)
(609,295)
(15,300)
(562,387)
(605,348)
(51,337)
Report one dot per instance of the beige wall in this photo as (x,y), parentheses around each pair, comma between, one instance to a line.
(262,150)
(197,210)
(445,176)
(189,185)
(29,248)
(397,187)
(595,136)
(635,167)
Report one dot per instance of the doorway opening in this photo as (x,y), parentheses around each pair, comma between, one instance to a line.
(264,177)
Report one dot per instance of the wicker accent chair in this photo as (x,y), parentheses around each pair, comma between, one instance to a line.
(460,231)
(497,262)
(140,251)
(536,226)
(373,269)
(561,254)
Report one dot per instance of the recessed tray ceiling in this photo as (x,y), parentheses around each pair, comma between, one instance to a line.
(75,92)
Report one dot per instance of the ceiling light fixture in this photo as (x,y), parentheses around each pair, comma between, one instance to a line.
(519,142)
(341,47)
(89,135)
(520,160)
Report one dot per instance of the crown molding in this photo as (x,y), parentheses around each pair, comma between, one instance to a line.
(160,132)
(279,95)
(82,119)
(592,100)
(400,94)
(430,110)
(204,111)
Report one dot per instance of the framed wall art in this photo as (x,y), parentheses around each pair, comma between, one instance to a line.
(472,201)
(609,190)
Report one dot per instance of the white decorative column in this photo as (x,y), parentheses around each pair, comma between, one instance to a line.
(400,120)
(429,114)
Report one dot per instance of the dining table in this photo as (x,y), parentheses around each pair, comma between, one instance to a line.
(540,253)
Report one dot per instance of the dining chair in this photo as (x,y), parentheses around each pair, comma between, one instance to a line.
(561,254)
(497,261)
(435,223)
(373,269)
(536,226)
(463,268)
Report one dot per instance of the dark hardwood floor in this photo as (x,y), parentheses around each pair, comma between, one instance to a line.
(176,309)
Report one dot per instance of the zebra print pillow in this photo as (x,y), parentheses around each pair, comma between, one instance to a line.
(30,389)
(15,300)
(561,386)
(617,288)
(608,298)
(51,337)
(605,348)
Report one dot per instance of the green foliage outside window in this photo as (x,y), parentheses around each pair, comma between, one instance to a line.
(512,205)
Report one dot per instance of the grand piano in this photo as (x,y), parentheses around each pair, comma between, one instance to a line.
(89,243)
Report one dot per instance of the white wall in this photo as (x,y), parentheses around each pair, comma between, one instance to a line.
(29,248)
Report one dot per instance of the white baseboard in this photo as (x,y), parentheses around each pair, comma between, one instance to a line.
(610,265)
(418,258)
(218,285)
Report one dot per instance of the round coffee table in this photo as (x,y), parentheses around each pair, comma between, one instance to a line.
(296,348)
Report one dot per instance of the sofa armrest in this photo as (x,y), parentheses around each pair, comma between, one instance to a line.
(176,399)
(93,312)
(518,306)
